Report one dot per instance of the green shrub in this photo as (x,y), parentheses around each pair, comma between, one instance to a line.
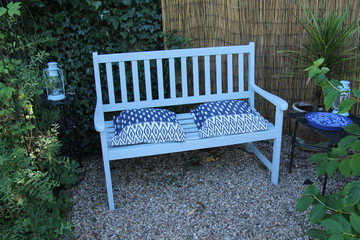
(33,176)
(103,26)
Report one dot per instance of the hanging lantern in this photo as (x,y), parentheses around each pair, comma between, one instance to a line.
(54,79)
(344,88)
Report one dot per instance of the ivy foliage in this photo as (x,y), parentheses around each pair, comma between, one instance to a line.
(33,176)
(81,27)
(338,214)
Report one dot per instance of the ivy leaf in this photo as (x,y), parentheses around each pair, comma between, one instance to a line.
(351,193)
(14,8)
(353,129)
(304,203)
(332,226)
(316,233)
(317,213)
(347,141)
(346,105)
(355,221)
(330,98)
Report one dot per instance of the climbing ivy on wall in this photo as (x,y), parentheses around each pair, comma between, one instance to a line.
(80,27)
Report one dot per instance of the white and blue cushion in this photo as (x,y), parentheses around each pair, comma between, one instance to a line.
(147,125)
(227,117)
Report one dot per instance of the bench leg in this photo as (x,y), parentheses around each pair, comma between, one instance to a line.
(276,161)
(109,189)
(107,171)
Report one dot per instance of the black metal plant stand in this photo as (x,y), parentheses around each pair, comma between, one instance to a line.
(333,138)
(68,126)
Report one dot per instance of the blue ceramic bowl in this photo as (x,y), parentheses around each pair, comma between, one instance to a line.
(327,121)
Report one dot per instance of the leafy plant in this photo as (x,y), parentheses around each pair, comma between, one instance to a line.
(338,214)
(331,37)
(34,177)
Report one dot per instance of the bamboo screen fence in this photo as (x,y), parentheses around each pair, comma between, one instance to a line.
(269,23)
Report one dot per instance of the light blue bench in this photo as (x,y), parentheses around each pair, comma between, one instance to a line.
(179,77)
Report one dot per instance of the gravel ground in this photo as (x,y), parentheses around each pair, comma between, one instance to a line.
(222,193)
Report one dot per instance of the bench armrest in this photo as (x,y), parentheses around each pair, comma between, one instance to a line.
(99,121)
(277,101)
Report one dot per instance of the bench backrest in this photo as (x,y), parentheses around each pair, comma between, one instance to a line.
(173,77)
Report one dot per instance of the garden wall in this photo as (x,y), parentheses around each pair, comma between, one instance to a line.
(270,24)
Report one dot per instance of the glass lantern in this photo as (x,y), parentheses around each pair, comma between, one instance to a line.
(54,79)
(345,93)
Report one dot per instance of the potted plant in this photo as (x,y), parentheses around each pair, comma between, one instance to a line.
(330,37)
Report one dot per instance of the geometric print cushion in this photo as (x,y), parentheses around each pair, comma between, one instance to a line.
(227,117)
(148,125)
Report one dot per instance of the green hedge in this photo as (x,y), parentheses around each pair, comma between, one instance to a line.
(80,27)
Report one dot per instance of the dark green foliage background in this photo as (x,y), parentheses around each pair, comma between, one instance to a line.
(80,27)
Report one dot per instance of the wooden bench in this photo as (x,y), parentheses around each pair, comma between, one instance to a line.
(180,77)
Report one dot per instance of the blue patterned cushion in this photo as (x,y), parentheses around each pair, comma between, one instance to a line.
(148,125)
(227,117)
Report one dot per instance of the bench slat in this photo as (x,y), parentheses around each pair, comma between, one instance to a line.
(110,83)
(184,83)
(241,72)
(135,79)
(195,63)
(160,77)
(230,73)
(218,74)
(123,86)
(148,80)
(207,75)
(172,78)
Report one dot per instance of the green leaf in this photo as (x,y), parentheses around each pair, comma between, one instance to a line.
(355,164)
(331,167)
(356,92)
(330,98)
(325,70)
(347,141)
(14,8)
(353,129)
(337,237)
(2,11)
(351,193)
(321,167)
(316,233)
(319,157)
(319,62)
(345,224)
(355,221)
(312,190)
(346,105)
(313,72)
(356,146)
(317,213)
(332,226)
(304,203)
(344,167)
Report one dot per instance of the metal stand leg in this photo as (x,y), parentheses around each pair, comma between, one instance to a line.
(324,184)
(293,145)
